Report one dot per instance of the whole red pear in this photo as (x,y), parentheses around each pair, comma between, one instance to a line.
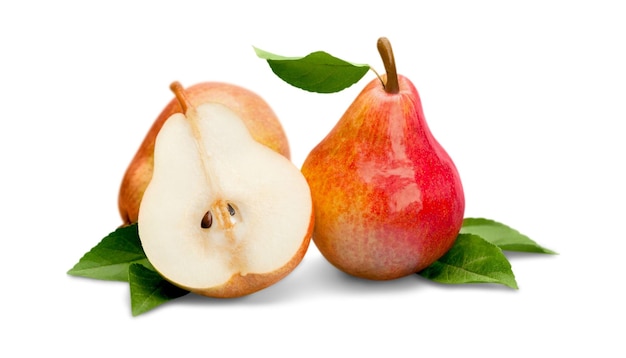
(388,199)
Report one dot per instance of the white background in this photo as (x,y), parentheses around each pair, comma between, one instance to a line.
(528,99)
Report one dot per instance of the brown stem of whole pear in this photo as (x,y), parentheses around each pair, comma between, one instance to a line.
(386,53)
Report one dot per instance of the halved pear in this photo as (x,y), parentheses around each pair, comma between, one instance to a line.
(223,215)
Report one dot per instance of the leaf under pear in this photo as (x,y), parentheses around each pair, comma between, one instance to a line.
(472,260)
(111,257)
(149,290)
(502,235)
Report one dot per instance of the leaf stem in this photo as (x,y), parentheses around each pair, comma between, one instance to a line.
(380,78)
(386,53)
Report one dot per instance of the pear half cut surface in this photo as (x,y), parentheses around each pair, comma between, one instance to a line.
(223,215)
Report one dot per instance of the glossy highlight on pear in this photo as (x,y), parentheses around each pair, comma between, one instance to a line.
(388,198)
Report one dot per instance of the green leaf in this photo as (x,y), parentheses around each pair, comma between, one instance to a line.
(316,72)
(149,290)
(472,260)
(109,259)
(501,235)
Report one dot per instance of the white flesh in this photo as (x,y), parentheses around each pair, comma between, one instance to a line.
(204,169)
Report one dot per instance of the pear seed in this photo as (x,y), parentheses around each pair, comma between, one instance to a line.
(207,220)
(231,210)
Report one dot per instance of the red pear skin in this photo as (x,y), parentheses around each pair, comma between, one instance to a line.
(256,113)
(388,199)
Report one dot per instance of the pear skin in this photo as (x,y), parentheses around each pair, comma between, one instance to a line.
(388,199)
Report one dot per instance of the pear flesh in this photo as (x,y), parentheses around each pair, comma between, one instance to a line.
(221,207)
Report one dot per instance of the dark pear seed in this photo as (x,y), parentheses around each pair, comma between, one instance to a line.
(231,210)
(207,220)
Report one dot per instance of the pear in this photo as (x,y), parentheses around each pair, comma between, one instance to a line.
(223,215)
(256,113)
(388,199)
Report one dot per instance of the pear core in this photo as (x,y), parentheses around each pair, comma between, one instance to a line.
(220,205)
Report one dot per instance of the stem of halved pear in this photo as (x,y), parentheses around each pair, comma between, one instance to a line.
(392,85)
(192,117)
(181,96)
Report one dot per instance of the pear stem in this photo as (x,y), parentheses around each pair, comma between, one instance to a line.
(179,92)
(386,53)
